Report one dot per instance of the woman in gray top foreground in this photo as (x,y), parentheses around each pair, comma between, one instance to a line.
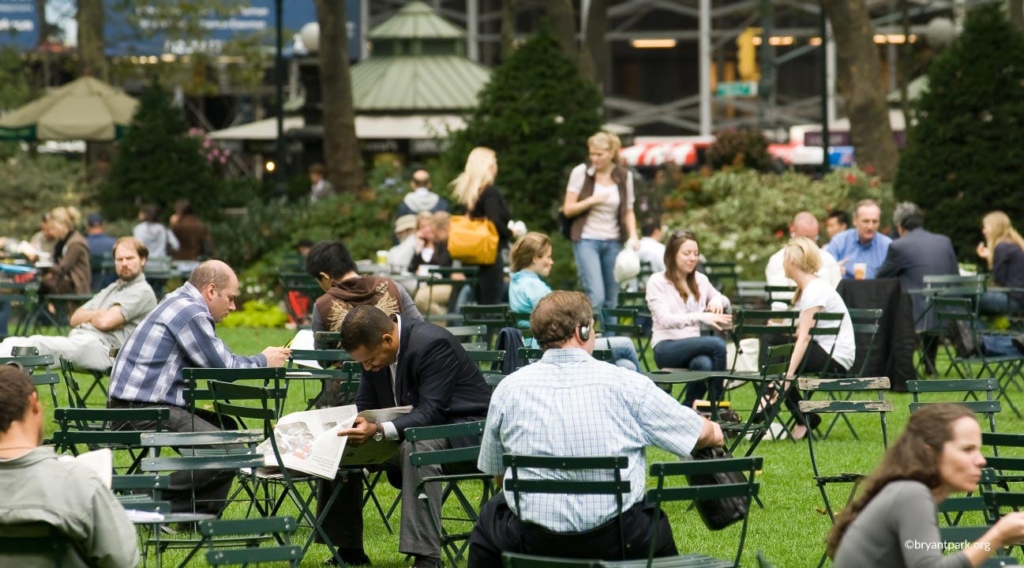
(893,523)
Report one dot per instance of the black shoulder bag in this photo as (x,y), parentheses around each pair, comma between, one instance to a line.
(718,513)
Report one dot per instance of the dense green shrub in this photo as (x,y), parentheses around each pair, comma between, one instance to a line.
(963,156)
(34,184)
(749,216)
(740,148)
(536,113)
(159,162)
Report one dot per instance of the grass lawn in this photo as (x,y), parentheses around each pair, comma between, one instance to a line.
(789,529)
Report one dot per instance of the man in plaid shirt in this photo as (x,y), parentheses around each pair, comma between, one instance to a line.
(569,404)
(180,333)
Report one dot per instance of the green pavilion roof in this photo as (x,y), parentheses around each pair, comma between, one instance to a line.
(417,20)
(417,64)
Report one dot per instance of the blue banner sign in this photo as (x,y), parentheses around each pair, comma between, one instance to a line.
(144,33)
(19,24)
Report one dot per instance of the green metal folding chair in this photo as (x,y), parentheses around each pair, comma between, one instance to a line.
(36,540)
(98,428)
(458,466)
(604,477)
(988,407)
(38,367)
(626,326)
(879,406)
(200,451)
(280,527)
(666,491)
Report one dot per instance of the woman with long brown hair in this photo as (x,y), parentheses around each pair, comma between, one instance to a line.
(680,300)
(1003,250)
(893,522)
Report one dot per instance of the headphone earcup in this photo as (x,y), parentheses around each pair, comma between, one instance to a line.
(584,332)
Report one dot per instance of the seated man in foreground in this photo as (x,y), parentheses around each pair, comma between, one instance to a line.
(105,321)
(37,487)
(614,412)
(180,333)
(414,363)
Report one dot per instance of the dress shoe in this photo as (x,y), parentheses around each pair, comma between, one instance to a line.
(351,557)
(1018,342)
(426,562)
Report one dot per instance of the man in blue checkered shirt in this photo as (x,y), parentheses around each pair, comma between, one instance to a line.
(180,333)
(569,404)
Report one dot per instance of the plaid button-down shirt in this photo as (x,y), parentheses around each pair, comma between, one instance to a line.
(179,333)
(569,404)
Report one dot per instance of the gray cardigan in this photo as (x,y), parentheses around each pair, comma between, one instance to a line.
(899,528)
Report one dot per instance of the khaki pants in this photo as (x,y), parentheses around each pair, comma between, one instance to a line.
(433,300)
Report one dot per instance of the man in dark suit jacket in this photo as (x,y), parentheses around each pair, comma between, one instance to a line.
(419,364)
(916,254)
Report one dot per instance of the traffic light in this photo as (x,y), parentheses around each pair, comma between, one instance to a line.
(746,54)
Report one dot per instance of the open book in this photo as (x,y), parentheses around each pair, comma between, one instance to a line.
(309,442)
(101,461)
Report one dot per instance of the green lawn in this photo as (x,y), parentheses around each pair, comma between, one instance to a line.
(789,530)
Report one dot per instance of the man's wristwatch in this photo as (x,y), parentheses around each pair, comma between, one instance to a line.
(378,433)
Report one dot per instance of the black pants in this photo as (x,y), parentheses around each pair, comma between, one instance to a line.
(199,491)
(816,360)
(490,286)
(499,530)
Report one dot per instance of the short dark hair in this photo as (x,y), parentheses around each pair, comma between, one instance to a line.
(318,169)
(650,225)
(16,390)
(908,216)
(364,326)
(330,257)
(841,217)
(150,213)
(557,315)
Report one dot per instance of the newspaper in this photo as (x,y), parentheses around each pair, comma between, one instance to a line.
(309,442)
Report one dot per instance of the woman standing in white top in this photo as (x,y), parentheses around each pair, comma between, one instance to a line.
(826,353)
(680,300)
(599,202)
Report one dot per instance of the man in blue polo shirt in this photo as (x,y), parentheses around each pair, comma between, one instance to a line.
(863,243)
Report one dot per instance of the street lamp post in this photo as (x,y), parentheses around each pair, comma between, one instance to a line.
(825,134)
(281,172)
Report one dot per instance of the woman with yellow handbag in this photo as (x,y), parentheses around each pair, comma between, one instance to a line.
(478,237)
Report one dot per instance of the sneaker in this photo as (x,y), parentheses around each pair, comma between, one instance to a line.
(426,562)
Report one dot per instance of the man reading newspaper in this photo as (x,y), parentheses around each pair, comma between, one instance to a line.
(411,363)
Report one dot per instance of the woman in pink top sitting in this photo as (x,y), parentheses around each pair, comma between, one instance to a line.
(680,300)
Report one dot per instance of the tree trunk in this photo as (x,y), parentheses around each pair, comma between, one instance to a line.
(1017,13)
(860,81)
(594,57)
(341,148)
(563,26)
(508,28)
(91,47)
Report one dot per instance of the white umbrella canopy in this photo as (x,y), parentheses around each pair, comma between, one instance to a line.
(84,109)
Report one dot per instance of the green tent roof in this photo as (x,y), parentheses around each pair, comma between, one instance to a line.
(417,83)
(417,20)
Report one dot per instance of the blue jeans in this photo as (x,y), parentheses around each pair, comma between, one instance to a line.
(704,353)
(999,345)
(595,264)
(623,351)
(997,303)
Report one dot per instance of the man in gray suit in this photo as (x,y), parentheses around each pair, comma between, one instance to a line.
(915,254)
